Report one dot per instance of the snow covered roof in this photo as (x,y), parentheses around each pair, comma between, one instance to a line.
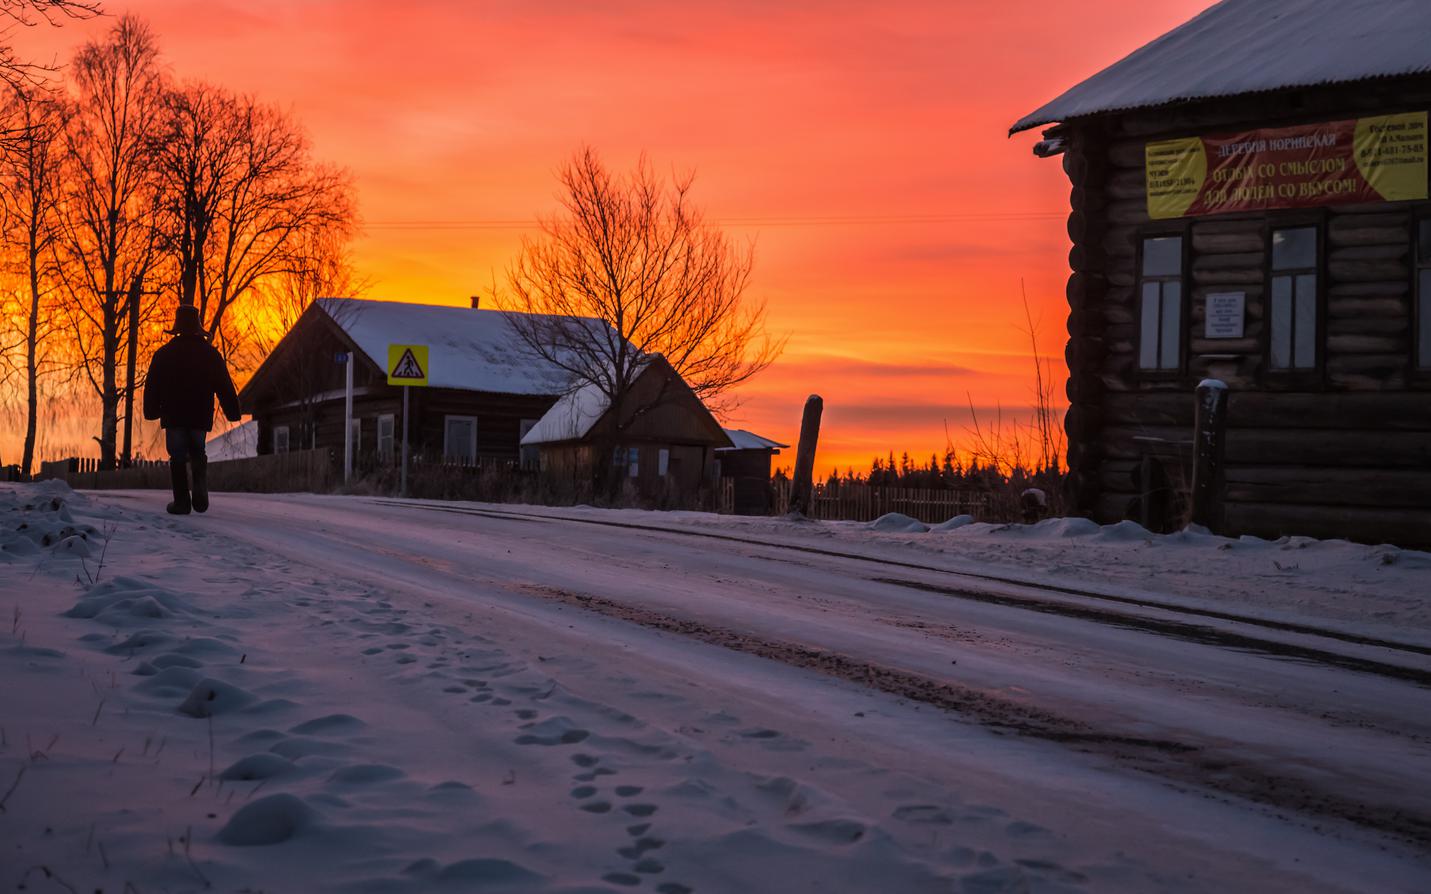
(1251,46)
(571,418)
(741,439)
(472,350)
(239,442)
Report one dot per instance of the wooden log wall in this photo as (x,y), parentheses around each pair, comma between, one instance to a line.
(1345,452)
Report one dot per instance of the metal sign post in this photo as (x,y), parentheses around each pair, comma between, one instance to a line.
(407,366)
(402,483)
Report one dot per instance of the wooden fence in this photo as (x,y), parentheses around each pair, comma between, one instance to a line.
(299,470)
(864,502)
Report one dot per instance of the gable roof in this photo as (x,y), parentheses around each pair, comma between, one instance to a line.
(469,349)
(576,414)
(741,439)
(1253,46)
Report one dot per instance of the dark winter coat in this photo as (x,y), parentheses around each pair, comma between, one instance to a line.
(184,377)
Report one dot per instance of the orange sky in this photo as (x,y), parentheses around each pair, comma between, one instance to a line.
(861,145)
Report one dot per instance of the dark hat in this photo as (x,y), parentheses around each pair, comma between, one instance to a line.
(187,321)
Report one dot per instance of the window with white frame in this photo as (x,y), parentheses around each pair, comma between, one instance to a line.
(1292,310)
(280,439)
(1160,313)
(1423,294)
(459,439)
(663,462)
(386,426)
(530,456)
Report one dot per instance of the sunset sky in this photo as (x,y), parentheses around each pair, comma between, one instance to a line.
(862,146)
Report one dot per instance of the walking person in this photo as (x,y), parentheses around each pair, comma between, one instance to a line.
(184,377)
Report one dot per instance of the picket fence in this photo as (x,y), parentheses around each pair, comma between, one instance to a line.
(865,502)
(299,470)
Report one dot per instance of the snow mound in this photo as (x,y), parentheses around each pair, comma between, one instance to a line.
(1123,532)
(211,697)
(897,523)
(954,523)
(1058,528)
(271,820)
(126,599)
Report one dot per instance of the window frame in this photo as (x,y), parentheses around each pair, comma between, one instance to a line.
(391,420)
(287,439)
(1181,230)
(447,420)
(1313,376)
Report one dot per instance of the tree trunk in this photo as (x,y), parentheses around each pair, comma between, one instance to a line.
(32,338)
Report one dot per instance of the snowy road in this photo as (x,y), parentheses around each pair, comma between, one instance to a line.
(795,716)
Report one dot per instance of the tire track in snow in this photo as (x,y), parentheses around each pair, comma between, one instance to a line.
(1181,629)
(1178,763)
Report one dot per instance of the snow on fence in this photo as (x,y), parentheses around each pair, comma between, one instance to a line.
(299,470)
(865,502)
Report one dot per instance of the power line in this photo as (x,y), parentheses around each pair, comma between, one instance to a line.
(831,221)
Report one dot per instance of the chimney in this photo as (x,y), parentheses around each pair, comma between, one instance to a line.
(476,302)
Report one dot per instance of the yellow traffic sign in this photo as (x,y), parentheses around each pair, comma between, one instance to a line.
(407,364)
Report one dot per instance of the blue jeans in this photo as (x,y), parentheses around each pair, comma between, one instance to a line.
(184,444)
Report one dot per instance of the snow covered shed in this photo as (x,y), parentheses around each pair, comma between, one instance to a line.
(485,390)
(747,463)
(1249,203)
(664,443)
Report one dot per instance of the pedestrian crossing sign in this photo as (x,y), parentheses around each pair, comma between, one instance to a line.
(407,364)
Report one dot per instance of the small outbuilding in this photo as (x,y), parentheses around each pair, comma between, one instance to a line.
(663,445)
(1249,204)
(747,464)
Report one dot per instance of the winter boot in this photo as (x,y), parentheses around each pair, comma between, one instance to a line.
(201,483)
(179,475)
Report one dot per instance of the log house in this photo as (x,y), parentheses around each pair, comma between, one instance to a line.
(1319,287)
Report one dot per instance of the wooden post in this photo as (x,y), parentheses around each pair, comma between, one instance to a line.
(801,488)
(1209,433)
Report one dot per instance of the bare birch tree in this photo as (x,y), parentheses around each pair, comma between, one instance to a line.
(635,253)
(28,171)
(242,197)
(107,235)
(14,71)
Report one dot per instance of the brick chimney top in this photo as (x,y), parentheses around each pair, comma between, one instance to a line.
(476,302)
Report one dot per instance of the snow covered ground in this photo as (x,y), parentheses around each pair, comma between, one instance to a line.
(308,693)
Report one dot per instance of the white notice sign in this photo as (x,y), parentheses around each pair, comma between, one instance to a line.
(1225,314)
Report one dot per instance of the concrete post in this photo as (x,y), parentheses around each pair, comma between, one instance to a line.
(802,486)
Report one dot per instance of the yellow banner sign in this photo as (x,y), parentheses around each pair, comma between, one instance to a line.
(1380,159)
(407,364)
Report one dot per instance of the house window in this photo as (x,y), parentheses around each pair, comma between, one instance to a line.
(459,439)
(663,462)
(1161,311)
(633,462)
(1423,294)
(1293,309)
(386,426)
(530,455)
(280,439)
(356,425)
